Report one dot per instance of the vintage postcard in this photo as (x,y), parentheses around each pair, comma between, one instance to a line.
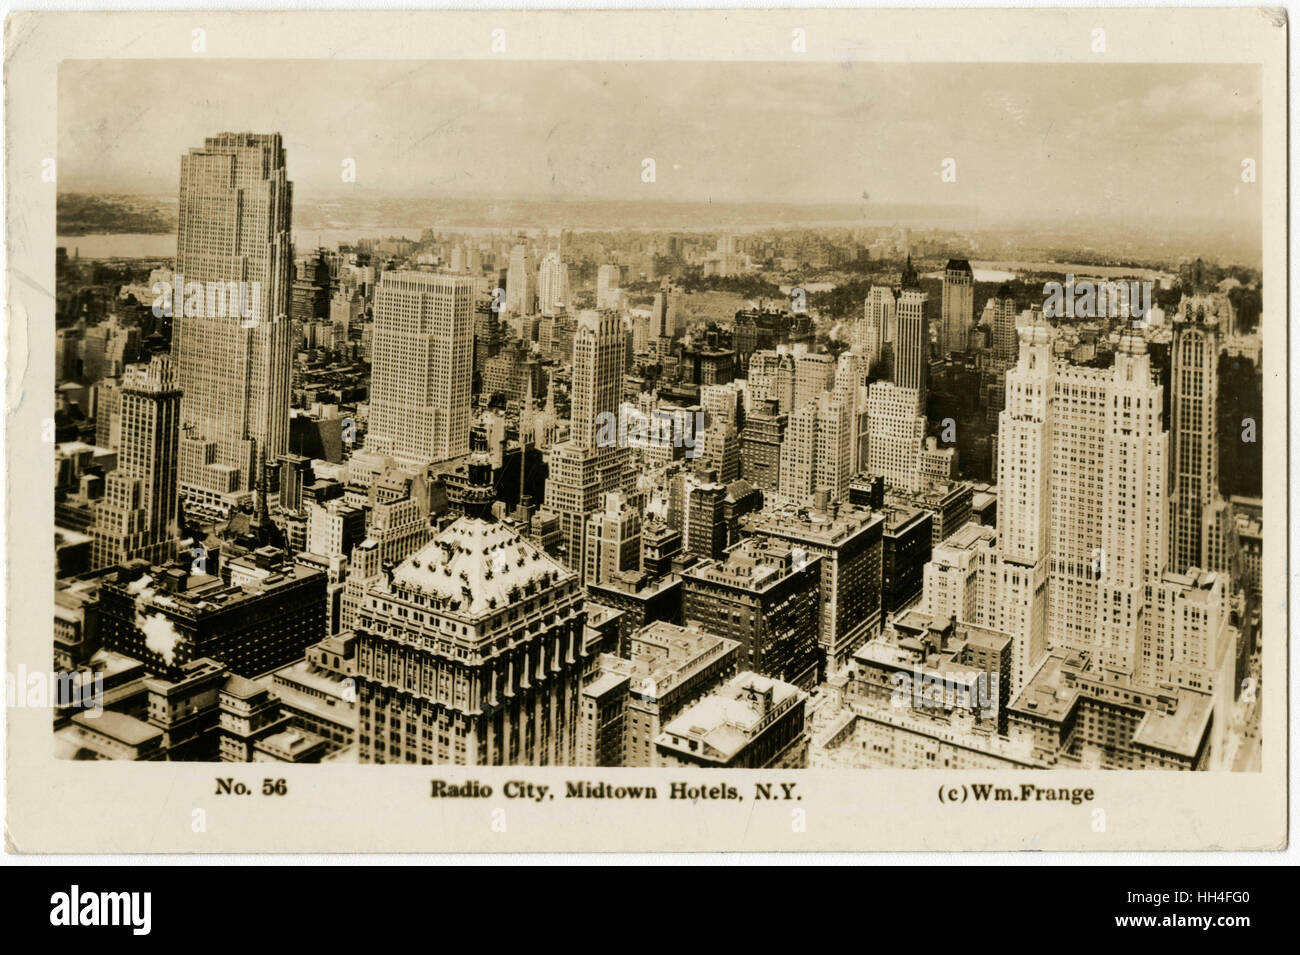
(646,431)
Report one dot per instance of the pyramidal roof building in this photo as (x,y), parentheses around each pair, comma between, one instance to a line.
(474,569)
(471,653)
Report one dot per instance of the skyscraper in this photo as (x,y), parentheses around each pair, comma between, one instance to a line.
(760,445)
(895,431)
(814,374)
(521,289)
(608,280)
(584,467)
(1005,343)
(1133,552)
(957,314)
(1081,500)
(817,450)
(613,543)
(422,366)
(877,325)
(766,595)
(1194,380)
(552,284)
(912,342)
(598,360)
(849,541)
(137,517)
(233,244)
(1024,502)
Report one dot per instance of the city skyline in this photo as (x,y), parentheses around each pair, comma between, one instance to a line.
(407,532)
(1140,144)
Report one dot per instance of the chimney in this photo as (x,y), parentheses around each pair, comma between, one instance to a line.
(176,580)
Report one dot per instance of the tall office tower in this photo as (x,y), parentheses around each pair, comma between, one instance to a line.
(814,374)
(422,367)
(817,450)
(585,466)
(1188,640)
(849,541)
(957,313)
(1005,343)
(704,524)
(912,342)
(666,313)
(345,311)
(724,404)
(137,516)
(760,445)
(609,278)
(334,527)
(295,473)
(521,288)
(552,284)
(107,395)
(771,375)
(957,583)
(905,550)
(640,334)
(598,344)
(311,287)
(851,375)
(1024,501)
(1193,406)
(233,235)
(1134,547)
(398,527)
(471,653)
(877,325)
(107,348)
(895,432)
(718,447)
(614,538)
(1082,497)
(765,596)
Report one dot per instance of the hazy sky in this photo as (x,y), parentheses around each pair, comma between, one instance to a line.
(1033,140)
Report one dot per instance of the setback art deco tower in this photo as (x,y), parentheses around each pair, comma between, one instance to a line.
(233,245)
(423,366)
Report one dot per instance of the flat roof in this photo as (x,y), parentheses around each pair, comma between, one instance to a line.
(128,729)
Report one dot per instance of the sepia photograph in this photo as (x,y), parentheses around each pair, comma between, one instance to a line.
(483,447)
(823,416)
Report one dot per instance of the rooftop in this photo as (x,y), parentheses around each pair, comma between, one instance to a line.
(1175,720)
(823,527)
(754,564)
(901,516)
(967,537)
(726,721)
(241,688)
(119,726)
(478,567)
(180,592)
